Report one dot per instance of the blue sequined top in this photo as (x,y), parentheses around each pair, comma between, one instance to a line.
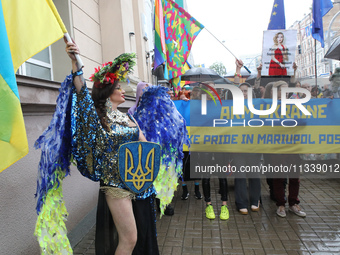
(95,149)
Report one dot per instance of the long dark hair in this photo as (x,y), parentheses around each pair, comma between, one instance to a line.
(100,93)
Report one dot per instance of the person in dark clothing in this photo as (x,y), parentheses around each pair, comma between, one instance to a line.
(327,93)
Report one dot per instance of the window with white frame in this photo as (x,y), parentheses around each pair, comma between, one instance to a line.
(38,66)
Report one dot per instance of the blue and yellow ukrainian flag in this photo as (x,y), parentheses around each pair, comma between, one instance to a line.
(26,28)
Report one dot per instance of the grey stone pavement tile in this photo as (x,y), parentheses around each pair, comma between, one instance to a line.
(189,232)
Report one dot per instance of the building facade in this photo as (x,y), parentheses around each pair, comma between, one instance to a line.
(305,50)
(103,29)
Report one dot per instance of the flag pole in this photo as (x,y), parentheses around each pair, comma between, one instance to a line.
(315,68)
(227,49)
(63,28)
(79,61)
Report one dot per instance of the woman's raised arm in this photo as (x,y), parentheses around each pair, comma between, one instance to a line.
(71,50)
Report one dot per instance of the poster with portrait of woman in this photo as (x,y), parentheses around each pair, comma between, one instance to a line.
(278,53)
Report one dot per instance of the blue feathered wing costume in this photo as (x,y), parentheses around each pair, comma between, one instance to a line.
(161,123)
(55,144)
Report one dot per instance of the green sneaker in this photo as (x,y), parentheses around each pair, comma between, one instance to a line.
(224,213)
(209,212)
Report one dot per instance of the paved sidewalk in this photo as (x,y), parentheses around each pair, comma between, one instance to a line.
(189,232)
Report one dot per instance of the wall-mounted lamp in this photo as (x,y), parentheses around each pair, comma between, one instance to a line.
(148,53)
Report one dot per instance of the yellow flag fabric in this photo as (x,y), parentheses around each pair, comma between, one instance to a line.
(31,27)
(185,68)
(26,28)
(13,139)
(57,16)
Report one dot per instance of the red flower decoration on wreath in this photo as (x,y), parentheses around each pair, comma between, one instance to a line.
(110,77)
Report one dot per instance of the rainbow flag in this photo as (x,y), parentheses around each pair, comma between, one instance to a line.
(160,55)
(175,31)
(181,29)
(26,28)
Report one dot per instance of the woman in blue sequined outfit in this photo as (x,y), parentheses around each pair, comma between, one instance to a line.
(98,129)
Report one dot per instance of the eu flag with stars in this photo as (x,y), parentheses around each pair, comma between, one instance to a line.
(277,17)
(320,9)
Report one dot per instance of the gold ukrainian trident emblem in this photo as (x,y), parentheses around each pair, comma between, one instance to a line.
(139,177)
(139,164)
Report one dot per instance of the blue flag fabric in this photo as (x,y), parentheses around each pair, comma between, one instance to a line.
(320,9)
(277,17)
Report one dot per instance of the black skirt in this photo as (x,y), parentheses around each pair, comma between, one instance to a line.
(106,241)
